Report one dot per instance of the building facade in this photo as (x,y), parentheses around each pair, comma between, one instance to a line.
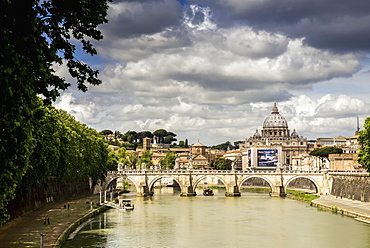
(274,146)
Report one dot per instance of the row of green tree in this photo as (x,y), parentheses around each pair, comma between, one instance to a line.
(161,136)
(135,139)
(63,150)
(37,141)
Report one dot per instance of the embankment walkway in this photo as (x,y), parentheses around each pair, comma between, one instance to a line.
(25,230)
(356,209)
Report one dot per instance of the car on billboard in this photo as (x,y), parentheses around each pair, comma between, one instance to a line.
(267,157)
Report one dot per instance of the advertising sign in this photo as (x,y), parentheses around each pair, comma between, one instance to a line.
(267,158)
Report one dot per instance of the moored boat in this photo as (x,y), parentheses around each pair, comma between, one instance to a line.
(126,204)
(208,192)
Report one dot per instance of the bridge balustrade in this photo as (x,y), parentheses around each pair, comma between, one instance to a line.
(221,172)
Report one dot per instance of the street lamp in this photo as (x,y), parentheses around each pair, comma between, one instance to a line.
(41,240)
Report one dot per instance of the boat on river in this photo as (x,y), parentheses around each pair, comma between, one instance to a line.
(126,204)
(208,192)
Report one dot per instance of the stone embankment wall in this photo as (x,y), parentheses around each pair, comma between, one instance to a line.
(351,186)
(36,198)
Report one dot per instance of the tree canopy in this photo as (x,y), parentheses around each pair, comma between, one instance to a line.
(224,146)
(325,151)
(65,150)
(220,164)
(146,158)
(34,37)
(106,132)
(364,141)
(133,139)
(129,159)
(164,137)
(168,162)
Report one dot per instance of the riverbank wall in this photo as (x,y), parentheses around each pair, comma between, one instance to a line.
(64,236)
(34,198)
(351,186)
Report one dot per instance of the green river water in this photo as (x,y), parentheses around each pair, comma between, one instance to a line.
(252,220)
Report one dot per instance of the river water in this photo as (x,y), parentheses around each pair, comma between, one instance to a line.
(252,220)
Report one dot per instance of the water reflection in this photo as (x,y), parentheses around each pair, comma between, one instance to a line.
(253,220)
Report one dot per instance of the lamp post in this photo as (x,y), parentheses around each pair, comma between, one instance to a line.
(41,240)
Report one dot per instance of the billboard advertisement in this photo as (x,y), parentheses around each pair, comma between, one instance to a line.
(267,158)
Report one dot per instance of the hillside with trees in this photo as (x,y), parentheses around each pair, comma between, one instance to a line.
(133,139)
(227,146)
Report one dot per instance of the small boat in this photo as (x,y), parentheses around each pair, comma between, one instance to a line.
(208,192)
(126,205)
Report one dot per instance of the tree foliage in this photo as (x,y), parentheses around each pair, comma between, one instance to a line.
(65,150)
(134,139)
(325,151)
(146,158)
(34,36)
(144,134)
(129,159)
(168,162)
(364,141)
(106,132)
(236,144)
(220,164)
(224,146)
(164,137)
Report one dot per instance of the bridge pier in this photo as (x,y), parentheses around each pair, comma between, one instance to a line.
(232,191)
(144,191)
(188,191)
(278,191)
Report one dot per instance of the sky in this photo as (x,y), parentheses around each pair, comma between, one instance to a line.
(211,70)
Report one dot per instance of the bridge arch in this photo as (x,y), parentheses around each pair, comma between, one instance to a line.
(155,179)
(107,183)
(134,182)
(315,184)
(200,178)
(255,176)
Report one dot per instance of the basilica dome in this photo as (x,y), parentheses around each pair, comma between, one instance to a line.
(275,119)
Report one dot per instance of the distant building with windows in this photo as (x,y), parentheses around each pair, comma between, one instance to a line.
(336,141)
(274,146)
(197,156)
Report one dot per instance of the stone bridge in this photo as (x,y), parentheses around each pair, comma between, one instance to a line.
(188,180)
